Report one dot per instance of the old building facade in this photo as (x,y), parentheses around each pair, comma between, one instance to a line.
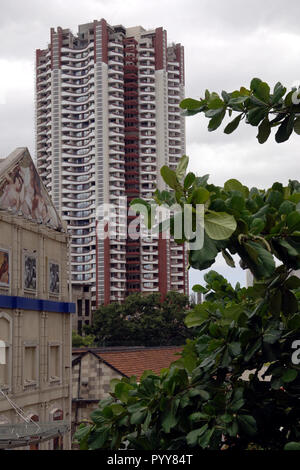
(35,308)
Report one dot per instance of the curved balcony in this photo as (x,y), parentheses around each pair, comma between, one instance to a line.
(74,171)
(75,67)
(73,120)
(79,197)
(74,160)
(82,259)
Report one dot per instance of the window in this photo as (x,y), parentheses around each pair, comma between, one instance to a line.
(34,445)
(57,442)
(6,342)
(30,364)
(87,307)
(54,362)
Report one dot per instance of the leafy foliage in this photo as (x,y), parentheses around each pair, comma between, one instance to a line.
(78,340)
(235,385)
(142,320)
(256,224)
(207,399)
(258,106)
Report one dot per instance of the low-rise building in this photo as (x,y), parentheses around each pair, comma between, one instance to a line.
(94,368)
(35,312)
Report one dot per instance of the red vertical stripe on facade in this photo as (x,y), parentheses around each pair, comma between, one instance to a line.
(106,270)
(95,42)
(185,273)
(60,41)
(38,54)
(162,267)
(104,41)
(159,51)
(52,33)
(97,286)
(179,51)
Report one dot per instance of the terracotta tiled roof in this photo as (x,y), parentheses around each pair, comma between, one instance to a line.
(136,361)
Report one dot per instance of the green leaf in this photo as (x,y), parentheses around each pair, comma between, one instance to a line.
(293,282)
(255,82)
(256,115)
(292,446)
(257,226)
(169,420)
(228,258)
(200,196)
(289,375)
(293,221)
(98,439)
(214,101)
(204,394)
(117,409)
(288,99)
(264,131)
(285,129)
(279,92)
(198,288)
(181,167)
(237,101)
(236,202)
(122,391)
(219,225)
(201,180)
(204,258)
(237,404)
(169,177)
(193,436)
(198,315)
(297,126)
(190,103)
(232,126)
(286,207)
(294,322)
(82,432)
(253,350)
(275,198)
(198,416)
(234,348)
(248,424)
(271,335)
(235,185)
(276,303)
(262,92)
(189,180)
(204,440)
(261,261)
(216,121)
(139,416)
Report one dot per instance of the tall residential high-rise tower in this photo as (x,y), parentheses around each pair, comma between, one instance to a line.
(107,120)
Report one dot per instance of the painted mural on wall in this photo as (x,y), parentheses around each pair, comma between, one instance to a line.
(22,193)
(4,268)
(30,272)
(53,278)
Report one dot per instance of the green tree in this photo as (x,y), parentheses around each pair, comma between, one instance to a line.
(79,341)
(207,399)
(142,320)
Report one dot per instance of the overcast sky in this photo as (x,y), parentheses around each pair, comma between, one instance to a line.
(227,43)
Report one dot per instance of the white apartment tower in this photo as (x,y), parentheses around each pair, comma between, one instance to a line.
(107,120)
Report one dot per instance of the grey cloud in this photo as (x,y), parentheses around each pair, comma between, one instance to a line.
(226,44)
(16,123)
